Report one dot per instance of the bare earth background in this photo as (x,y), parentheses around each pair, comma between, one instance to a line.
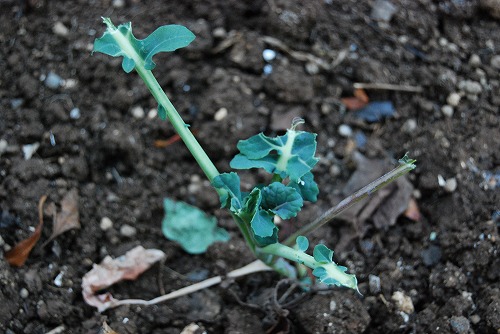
(91,122)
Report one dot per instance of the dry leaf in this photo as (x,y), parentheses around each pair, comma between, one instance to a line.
(68,218)
(413,212)
(18,255)
(105,329)
(111,271)
(358,101)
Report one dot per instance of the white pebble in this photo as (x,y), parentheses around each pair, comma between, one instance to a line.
(29,150)
(106,223)
(312,68)
(219,32)
(447,110)
(268,54)
(453,99)
(410,125)
(475,61)
(75,113)
(345,130)
(118,3)
(220,114)
(53,81)
(69,83)
(495,62)
(3,146)
(450,185)
(152,113)
(137,112)
(470,87)
(128,231)
(24,293)
(60,29)
(403,302)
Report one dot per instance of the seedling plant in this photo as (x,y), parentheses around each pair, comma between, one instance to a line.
(289,159)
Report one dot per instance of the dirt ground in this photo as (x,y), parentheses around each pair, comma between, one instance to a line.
(440,274)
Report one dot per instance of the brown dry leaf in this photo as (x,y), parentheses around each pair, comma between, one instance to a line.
(358,101)
(384,206)
(18,255)
(111,271)
(105,329)
(68,218)
(413,212)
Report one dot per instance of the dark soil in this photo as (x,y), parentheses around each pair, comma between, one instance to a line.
(108,154)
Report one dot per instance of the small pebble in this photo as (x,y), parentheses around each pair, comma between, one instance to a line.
(137,112)
(268,54)
(453,99)
(268,69)
(374,283)
(152,113)
(470,87)
(475,319)
(118,3)
(403,302)
(29,150)
(383,10)
(60,29)
(219,32)
(75,113)
(105,224)
(24,293)
(220,114)
(447,110)
(128,231)
(3,146)
(460,324)
(53,81)
(312,68)
(495,62)
(450,185)
(475,61)
(69,83)
(335,170)
(410,125)
(345,130)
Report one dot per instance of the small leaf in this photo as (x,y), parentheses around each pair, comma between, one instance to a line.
(162,113)
(289,155)
(332,274)
(264,241)
(284,201)
(262,224)
(302,243)
(18,255)
(407,160)
(231,183)
(306,187)
(190,227)
(251,203)
(68,218)
(323,254)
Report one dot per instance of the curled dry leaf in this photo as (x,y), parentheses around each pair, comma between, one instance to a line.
(111,271)
(68,218)
(18,255)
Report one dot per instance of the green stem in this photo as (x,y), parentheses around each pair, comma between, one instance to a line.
(154,87)
(350,201)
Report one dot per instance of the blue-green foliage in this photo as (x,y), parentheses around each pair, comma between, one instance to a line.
(328,272)
(164,39)
(302,243)
(190,227)
(281,200)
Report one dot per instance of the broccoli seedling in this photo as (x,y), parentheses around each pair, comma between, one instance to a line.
(289,158)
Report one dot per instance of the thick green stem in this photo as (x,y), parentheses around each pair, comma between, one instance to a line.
(351,200)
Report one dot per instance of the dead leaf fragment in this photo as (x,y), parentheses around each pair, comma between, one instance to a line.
(413,212)
(18,255)
(68,218)
(111,271)
(105,329)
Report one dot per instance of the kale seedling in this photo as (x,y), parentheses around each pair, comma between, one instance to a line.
(288,158)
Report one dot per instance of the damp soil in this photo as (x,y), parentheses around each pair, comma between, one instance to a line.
(438,274)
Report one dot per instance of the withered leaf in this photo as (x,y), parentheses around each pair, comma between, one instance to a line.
(105,329)
(18,255)
(68,218)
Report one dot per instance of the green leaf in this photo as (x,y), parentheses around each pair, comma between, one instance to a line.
(323,254)
(121,41)
(262,224)
(264,241)
(190,227)
(407,160)
(289,155)
(332,274)
(162,113)
(306,187)
(302,243)
(231,183)
(284,201)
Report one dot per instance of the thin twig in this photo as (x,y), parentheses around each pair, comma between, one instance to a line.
(350,201)
(384,86)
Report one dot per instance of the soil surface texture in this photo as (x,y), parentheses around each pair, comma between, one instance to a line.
(76,123)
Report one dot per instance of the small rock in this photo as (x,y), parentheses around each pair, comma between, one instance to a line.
(192,328)
(345,130)
(475,319)
(60,29)
(475,60)
(410,125)
(374,284)
(383,10)
(53,81)
(219,32)
(268,54)
(220,114)
(450,185)
(106,224)
(495,62)
(70,83)
(24,293)
(3,146)
(470,87)
(118,3)
(460,324)
(152,113)
(447,110)
(137,112)
(29,150)
(128,231)
(431,256)
(403,302)
(453,99)
(75,113)
(312,68)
